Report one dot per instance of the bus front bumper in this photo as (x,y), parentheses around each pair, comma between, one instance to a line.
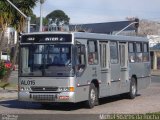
(47,97)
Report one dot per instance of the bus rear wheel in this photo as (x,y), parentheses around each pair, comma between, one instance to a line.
(93,96)
(133,89)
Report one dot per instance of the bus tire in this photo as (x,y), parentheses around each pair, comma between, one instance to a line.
(92,97)
(133,89)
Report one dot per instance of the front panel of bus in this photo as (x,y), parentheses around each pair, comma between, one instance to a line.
(46,68)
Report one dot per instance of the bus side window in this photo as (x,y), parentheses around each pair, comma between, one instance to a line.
(131,54)
(114,52)
(138,52)
(145,52)
(92,53)
(81,58)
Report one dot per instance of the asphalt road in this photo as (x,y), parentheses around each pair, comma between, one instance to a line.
(155,79)
(147,101)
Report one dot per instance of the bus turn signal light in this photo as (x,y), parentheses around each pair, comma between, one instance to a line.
(71,89)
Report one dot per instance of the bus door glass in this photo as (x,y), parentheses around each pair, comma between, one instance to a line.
(123,55)
(80,59)
(93,58)
(114,62)
(123,51)
(104,62)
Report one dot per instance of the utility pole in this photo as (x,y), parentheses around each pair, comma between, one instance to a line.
(27,18)
(41,17)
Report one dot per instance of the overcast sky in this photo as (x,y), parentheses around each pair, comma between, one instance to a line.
(95,11)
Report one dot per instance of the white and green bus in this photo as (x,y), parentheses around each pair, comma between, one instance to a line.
(79,66)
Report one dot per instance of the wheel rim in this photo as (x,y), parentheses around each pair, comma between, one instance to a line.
(133,88)
(93,96)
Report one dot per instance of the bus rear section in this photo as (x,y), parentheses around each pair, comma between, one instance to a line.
(139,63)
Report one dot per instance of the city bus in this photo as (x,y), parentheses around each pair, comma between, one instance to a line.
(81,67)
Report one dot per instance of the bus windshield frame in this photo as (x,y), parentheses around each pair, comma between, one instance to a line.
(46,60)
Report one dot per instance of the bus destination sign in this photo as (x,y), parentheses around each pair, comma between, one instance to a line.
(46,38)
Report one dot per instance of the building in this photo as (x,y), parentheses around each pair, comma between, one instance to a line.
(9,42)
(106,27)
(154,43)
(11,36)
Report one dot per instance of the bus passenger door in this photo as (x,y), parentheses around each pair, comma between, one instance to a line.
(105,68)
(115,68)
(124,72)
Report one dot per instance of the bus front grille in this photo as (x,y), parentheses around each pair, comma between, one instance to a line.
(41,97)
(33,88)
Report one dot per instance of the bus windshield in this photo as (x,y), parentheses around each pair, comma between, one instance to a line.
(46,60)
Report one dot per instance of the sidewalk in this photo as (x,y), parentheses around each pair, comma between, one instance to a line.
(8,93)
(155,72)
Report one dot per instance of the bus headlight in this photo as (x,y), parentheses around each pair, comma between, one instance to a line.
(25,89)
(66,89)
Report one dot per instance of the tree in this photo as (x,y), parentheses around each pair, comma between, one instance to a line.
(6,18)
(58,16)
(45,21)
(26,7)
(11,17)
(148,28)
(33,18)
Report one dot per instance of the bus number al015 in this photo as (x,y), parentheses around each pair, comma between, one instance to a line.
(28,82)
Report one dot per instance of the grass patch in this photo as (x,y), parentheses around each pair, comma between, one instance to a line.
(156,113)
(4,84)
(7,85)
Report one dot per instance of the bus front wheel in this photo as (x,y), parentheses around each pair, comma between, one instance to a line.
(93,96)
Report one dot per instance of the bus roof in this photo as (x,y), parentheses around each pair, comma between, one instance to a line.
(86,35)
(110,37)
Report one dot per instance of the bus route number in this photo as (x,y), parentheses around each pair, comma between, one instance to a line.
(28,82)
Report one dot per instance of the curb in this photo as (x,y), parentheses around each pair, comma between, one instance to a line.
(155,75)
(6,95)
